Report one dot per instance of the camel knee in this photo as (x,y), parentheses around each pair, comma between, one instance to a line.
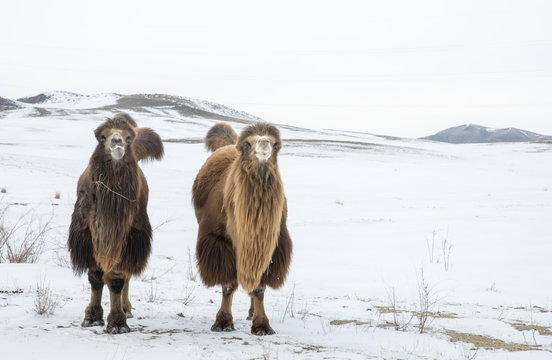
(95,279)
(228,290)
(258,292)
(116,285)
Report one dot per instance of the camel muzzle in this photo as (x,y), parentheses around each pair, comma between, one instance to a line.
(117,147)
(263,150)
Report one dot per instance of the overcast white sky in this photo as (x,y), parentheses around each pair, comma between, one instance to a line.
(405,68)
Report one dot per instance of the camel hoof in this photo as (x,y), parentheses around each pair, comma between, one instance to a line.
(222,327)
(117,329)
(129,315)
(262,330)
(249,317)
(90,323)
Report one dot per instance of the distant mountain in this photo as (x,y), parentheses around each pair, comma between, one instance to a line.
(7,104)
(471,133)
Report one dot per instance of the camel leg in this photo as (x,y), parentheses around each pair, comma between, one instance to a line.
(116,320)
(93,315)
(224,320)
(260,320)
(251,310)
(127,306)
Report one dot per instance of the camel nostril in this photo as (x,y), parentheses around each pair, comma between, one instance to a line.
(116,141)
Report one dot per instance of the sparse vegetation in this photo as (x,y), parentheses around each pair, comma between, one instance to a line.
(188,295)
(426,302)
(446,249)
(290,304)
(152,291)
(400,322)
(45,302)
(3,190)
(57,195)
(190,273)
(24,240)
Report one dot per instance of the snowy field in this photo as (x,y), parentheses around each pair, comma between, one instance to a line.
(376,222)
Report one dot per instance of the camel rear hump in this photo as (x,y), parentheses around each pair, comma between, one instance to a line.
(220,135)
(147,145)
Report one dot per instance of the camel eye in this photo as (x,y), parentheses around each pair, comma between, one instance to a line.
(276,146)
(246,146)
(102,139)
(128,139)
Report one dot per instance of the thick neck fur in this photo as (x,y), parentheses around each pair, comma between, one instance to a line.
(115,190)
(253,200)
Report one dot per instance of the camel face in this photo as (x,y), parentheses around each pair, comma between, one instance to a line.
(116,142)
(263,147)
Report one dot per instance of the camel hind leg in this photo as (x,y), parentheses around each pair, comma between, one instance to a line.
(260,324)
(93,315)
(224,320)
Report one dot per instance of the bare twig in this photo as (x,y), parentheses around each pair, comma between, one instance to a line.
(290,304)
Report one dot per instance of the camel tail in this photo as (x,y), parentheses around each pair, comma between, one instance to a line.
(147,145)
(220,135)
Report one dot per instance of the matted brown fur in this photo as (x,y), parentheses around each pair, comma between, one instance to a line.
(241,210)
(110,228)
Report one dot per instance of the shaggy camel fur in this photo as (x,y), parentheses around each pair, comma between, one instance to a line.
(110,232)
(241,211)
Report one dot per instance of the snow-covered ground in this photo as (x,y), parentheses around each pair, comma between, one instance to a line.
(374,220)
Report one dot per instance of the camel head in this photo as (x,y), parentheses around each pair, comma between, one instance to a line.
(259,144)
(115,136)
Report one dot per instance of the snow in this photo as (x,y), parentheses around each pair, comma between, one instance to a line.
(368,215)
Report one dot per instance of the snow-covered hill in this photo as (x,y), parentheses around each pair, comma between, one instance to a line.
(139,102)
(374,220)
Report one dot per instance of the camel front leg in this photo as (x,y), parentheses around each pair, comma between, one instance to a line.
(116,320)
(251,310)
(93,315)
(224,320)
(127,306)
(260,324)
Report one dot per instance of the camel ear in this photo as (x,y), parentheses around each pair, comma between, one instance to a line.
(245,147)
(97,134)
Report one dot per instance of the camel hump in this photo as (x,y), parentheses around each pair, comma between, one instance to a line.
(147,145)
(220,135)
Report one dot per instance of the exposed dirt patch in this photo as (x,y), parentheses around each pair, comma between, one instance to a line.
(18,291)
(388,310)
(346,322)
(144,330)
(527,327)
(487,342)
(387,325)
(314,348)
(435,315)
(231,338)
(184,141)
